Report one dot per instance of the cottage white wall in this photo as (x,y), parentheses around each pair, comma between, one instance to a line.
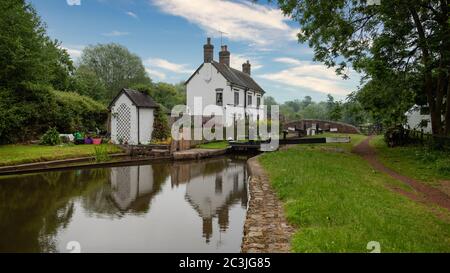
(146,119)
(204,84)
(414,120)
(233,109)
(201,190)
(124,182)
(133,119)
(130,182)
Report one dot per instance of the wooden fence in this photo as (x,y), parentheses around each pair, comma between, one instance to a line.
(420,137)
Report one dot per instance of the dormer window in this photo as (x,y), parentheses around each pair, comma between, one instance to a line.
(219,96)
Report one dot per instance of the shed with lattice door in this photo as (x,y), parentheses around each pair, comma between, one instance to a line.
(132,116)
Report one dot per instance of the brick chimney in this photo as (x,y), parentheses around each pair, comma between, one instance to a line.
(246,67)
(208,51)
(224,56)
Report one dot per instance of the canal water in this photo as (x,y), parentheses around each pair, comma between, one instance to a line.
(165,207)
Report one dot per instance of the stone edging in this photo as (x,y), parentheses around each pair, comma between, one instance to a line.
(266,229)
(42,164)
(196,153)
(86,162)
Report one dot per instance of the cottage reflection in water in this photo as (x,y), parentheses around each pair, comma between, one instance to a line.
(41,212)
(211,189)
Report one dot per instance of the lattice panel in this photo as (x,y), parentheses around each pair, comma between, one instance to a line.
(123,189)
(123,123)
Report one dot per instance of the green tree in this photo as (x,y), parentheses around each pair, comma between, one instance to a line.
(115,66)
(32,66)
(27,54)
(161,130)
(307,100)
(166,94)
(85,82)
(353,112)
(334,109)
(401,37)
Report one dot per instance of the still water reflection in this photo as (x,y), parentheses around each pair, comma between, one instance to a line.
(169,207)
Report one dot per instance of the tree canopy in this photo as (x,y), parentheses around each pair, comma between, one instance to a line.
(115,66)
(32,67)
(349,111)
(27,54)
(400,45)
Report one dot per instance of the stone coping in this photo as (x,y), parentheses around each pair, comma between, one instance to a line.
(266,229)
(198,153)
(84,163)
(39,164)
(69,163)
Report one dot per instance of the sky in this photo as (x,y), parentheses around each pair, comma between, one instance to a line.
(169,35)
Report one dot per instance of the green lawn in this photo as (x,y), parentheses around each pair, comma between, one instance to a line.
(19,154)
(339,203)
(214,145)
(414,161)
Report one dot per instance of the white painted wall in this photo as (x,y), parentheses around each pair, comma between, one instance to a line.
(130,182)
(204,85)
(133,120)
(414,120)
(202,193)
(146,119)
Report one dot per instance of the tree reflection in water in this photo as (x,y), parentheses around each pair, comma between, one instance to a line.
(35,208)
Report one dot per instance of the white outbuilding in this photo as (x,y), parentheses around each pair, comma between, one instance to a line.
(132,117)
(418,118)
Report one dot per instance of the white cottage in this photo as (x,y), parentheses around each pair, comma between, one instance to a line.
(418,118)
(132,116)
(219,84)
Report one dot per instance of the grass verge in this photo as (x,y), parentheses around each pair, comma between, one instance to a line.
(339,203)
(416,162)
(214,145)
(20,154)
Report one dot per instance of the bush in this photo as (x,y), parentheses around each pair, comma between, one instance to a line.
(30,109)
(396,136)
(78,113)
(161,130)
(51,137)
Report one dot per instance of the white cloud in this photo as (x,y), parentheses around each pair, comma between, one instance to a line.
(257,24)
(132,14)
(73,2)
(309,75)
(155,74)
(236,61)
(115,33)
(167,65)
(287,60)
(74,51)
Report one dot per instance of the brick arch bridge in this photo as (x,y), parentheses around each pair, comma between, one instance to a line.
(324,125)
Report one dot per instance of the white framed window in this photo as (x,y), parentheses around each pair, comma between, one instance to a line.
(249,99)
(236,98)
(219,96)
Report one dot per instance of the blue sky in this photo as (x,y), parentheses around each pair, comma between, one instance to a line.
(169,35)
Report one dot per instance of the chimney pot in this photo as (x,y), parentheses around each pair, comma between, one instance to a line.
(224,56)
(246,67)
(208,51)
